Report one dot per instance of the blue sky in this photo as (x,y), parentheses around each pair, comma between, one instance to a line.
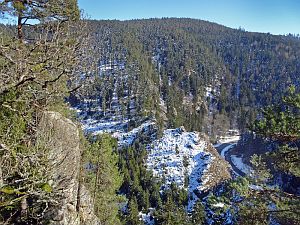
(274,16)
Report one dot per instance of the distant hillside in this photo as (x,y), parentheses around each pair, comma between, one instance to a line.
(190,72)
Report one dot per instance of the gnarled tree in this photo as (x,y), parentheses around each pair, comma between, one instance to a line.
(40,64)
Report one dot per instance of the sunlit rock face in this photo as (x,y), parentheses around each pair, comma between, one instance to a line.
(60,136)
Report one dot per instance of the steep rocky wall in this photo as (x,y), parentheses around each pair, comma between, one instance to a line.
(61,137)
(220,168)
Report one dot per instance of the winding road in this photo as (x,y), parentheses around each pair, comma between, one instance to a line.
(225,151)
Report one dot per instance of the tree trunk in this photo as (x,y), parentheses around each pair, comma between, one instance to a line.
(20,28)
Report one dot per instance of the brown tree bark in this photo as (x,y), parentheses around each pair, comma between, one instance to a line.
(20,28)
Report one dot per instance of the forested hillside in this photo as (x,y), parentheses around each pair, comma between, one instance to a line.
(188,72)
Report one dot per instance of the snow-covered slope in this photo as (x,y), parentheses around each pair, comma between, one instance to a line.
(119,129)
(186,159)
(167,155)
(127,138)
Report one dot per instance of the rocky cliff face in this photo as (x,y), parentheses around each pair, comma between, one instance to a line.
(61,137)
(219,170)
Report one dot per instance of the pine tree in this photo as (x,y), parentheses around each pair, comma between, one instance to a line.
(104,179)
(27,11)
(133,212)
(198,215)
(281,123)
(255,200)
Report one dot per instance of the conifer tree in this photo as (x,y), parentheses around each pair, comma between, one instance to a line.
(198,215)
(257,201)
(104,179)
(46,10)
(133,212)
(281,123)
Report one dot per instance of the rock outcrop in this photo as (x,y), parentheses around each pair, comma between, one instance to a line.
(60,136)
(219,170)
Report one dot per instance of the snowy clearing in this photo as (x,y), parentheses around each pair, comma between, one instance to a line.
(180,157)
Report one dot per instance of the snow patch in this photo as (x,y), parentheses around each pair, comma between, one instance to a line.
(117,129)
(228,139)
(256,187)
(147,218)
(126,139)
(219,205)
